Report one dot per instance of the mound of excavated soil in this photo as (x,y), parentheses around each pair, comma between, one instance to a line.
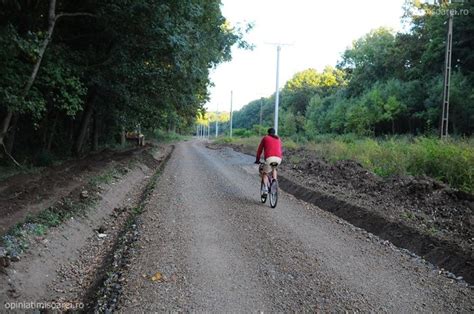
(419,201)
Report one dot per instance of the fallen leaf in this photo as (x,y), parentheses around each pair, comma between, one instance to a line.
(156,277)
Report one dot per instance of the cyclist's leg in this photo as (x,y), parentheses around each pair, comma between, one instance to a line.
(263,174)
(271,160)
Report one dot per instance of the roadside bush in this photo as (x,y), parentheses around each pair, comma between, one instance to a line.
(165,136)
(44,159)
(224,140)
(289,144)
(242,133)
(450,161)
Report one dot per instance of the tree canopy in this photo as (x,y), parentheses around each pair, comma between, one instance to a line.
(384,83)
(102,67)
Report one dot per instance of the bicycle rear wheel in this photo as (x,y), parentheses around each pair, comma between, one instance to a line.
(273,193)
(263,197)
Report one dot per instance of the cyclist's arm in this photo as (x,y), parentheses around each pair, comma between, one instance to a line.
(259,151)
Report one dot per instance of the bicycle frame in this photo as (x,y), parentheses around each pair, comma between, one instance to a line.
(272,187)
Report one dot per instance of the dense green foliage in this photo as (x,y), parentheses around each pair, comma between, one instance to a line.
(111,65)
(385,83)
(450,162)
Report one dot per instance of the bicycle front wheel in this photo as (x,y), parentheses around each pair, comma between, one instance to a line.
(273,194)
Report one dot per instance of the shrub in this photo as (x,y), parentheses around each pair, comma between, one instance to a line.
(449,161)
(44,159)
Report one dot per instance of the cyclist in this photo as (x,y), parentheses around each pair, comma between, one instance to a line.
(271,146)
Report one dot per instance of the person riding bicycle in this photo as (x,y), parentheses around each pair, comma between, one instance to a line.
(271,146)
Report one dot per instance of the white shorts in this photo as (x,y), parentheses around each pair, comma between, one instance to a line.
(266,167)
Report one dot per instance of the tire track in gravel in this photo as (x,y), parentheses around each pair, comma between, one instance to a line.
(220,250)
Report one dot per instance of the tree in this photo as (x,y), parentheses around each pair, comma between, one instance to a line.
(134,63)
(52,19)
(371,58)
(387,82)
(304,85)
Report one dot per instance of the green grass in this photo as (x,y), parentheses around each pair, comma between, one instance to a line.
(450,161)
(110,174)
(408,215)
(167,137)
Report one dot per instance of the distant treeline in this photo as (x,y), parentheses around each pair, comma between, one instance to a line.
(386,83)
(74,74)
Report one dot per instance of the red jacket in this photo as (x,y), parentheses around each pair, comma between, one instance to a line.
(271,147)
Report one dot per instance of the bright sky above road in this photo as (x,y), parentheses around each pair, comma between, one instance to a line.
(318,32)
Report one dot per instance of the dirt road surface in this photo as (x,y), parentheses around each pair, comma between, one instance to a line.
(207,244)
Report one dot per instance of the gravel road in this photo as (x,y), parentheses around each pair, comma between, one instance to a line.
(217,248)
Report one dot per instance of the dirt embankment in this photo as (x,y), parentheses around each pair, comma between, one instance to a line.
(417,213)
(65,263)
(27,194)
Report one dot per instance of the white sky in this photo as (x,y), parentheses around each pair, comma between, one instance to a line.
(318,31)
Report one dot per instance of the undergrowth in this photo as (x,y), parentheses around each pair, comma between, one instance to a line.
(450,161)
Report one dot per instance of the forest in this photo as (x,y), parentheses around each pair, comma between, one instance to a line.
(385,83)
(77,74)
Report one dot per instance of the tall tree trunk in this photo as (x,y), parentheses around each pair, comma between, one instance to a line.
(3,133)
(95,133)
(51,22)
(85,121)
(52,132)
(10,139)
(72,130)
(52,18)
(5,126)
(122,137)
(46,130)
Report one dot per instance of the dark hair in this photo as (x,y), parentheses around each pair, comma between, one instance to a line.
(271,131)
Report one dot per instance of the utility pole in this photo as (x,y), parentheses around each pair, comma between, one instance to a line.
(261,105)
(447,77)
(217,120)
(231,96)
(277,92)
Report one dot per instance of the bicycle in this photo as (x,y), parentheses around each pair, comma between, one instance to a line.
(272,188)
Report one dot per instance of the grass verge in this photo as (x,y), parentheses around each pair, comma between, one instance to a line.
(450,161)
(168,137)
